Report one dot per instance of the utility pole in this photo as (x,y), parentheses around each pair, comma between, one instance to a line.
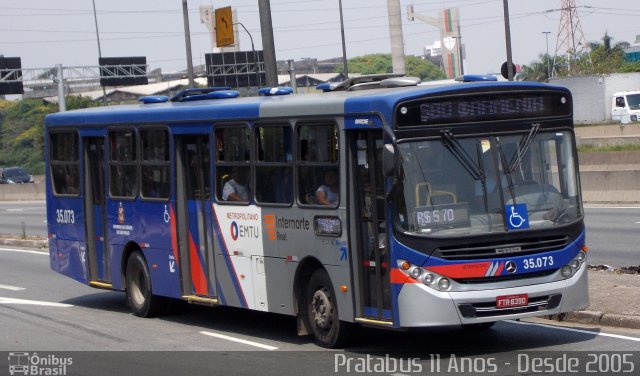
(187,42)
(345,64)
(546,34)
(292,75)
(507,33)
(62,107)
(395,33)
(269,50)
(95,19)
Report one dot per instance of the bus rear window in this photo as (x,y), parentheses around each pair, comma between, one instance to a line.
(65,163)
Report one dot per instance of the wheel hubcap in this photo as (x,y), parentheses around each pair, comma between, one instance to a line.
(137,286)
(321,309)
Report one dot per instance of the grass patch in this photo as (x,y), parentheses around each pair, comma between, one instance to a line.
(608,148)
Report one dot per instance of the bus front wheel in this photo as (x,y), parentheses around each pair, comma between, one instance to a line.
(139,292)
(322,310)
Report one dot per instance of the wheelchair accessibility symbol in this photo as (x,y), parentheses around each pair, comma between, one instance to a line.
(517,216)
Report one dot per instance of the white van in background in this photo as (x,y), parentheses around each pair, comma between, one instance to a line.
(625,107)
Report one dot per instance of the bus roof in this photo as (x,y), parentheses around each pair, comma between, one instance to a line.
(323,104)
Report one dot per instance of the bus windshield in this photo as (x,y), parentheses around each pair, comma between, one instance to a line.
(454,186)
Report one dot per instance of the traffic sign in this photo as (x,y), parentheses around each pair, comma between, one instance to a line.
(224,27)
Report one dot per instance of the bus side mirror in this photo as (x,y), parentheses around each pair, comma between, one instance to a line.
(388,160)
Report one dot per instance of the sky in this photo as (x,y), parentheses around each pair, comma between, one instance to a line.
(49,32)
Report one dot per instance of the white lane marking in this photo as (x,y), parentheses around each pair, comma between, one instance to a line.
(638,223)
(12,288)
(15,210)
(635,339)
(4,300)
(24,251)
(239,340)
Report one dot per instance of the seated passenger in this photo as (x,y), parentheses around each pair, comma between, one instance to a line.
(235,189)
(328,193)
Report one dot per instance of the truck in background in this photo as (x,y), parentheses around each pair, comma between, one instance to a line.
(625,107)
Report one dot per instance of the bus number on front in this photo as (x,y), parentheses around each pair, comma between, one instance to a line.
(65,216)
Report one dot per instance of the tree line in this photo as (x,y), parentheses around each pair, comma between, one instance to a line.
(600,58)
(22,130)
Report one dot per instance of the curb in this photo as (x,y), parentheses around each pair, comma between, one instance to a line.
(599,318)
(28,243)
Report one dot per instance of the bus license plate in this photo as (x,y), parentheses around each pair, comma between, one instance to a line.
(507,301)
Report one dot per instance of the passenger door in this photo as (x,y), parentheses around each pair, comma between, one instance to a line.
(94,207)
(371,242)
(193,199)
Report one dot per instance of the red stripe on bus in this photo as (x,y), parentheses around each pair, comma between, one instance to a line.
(174,234)
(472,270)
(197,271)
(397,276)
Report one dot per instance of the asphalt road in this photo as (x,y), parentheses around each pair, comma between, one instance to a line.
(43,311)
(31,214)
(611,231)
(612,235)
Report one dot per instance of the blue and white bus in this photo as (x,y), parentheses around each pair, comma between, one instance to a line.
(378,202)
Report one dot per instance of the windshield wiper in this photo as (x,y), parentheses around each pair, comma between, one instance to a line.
(523,147)
(507,173)
(454,147)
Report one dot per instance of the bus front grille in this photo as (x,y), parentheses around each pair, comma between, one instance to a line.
(500,249)
(489,309)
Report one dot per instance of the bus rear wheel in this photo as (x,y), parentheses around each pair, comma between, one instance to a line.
(322,311)
(139,292)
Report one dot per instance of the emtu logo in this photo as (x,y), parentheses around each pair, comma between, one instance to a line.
(234,231)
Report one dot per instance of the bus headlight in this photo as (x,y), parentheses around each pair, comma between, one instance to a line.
(427,277)
(444,284)
(574,265)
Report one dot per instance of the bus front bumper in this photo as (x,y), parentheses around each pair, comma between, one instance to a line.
(422,306)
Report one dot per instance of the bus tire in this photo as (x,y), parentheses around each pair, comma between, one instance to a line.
(479,326)
(138,287)
(322,312)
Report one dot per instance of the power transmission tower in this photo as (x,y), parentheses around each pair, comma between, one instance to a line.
(570,42)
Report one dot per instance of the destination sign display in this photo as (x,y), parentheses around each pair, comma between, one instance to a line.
(485,107)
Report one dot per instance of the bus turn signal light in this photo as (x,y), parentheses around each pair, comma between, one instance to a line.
(405,265)
(343,288)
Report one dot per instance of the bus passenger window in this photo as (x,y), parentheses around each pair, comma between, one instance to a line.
(233,163)
(123,167)
(274,165)
(318,176)
(65,163)
(154,164)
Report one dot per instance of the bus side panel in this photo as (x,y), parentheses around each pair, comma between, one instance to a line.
(65,218)
(296,239)
(165,274)
(72,257)
(148,225)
